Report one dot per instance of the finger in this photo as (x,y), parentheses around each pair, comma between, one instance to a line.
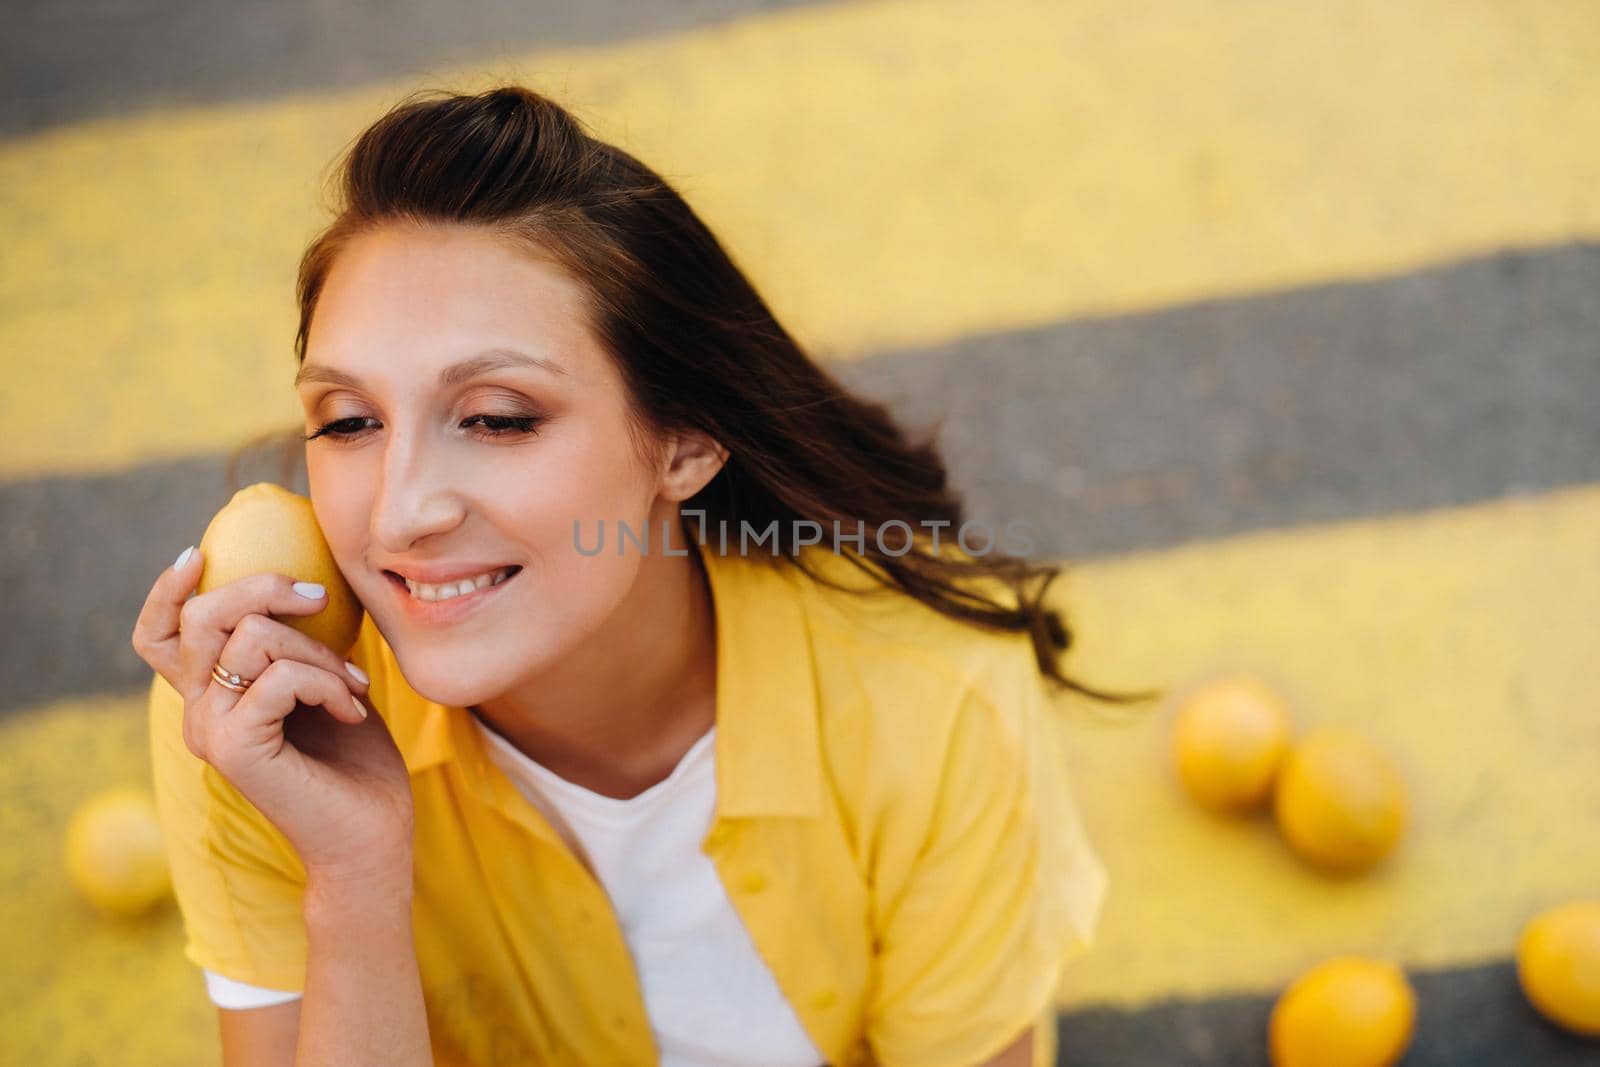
(251,730)
(259,641)
(155,632)
(206,621)
(287,683)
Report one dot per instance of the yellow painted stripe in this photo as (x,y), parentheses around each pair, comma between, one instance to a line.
(891,173)
(1452,638)
(79,988)
(1458,640)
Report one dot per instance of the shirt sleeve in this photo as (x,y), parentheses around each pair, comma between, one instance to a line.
(238,881)
(1004,890)
(226,993)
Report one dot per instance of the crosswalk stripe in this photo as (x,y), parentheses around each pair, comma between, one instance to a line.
(891,173)
(1448,637)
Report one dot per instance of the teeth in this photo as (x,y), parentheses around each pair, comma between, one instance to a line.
(451,590)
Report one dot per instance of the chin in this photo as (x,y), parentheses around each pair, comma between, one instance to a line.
(449,678)
(452,692)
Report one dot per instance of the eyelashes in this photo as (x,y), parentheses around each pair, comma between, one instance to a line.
(331,429)
(491,427)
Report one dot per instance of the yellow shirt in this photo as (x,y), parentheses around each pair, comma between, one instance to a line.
(893,825)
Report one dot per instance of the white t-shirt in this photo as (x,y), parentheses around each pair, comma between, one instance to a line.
(710,997)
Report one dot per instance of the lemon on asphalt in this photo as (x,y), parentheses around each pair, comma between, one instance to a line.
(1348,1011)
(1229,737)
(1339,802)
(1558,965)
(267,529)
(114,852)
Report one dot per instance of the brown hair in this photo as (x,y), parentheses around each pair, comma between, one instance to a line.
(695,343)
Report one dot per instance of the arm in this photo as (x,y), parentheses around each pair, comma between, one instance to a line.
(287,811)
(363,1002)
(259,1037)
(1018,1054)
(984,888)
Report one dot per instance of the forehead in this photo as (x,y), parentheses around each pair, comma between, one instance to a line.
(424,298)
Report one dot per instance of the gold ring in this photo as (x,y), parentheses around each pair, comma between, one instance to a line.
(228,680)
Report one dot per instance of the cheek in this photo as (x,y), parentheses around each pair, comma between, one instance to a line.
(595,479)
(339,501)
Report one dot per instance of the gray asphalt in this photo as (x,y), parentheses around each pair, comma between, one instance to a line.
(65,60)
(1446,387)
(1438,388)
(1466,1017)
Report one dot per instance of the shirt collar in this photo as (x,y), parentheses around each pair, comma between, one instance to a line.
(768,751)
(768,755)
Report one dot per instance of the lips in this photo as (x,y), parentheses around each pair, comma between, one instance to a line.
(450,590)
(440,601)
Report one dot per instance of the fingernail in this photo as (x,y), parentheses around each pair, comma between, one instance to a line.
(183,557)
(309,590)
(362,708)
(356,672)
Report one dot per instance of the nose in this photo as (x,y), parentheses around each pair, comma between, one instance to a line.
(415,496)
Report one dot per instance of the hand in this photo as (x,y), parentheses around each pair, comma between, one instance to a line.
(332,780)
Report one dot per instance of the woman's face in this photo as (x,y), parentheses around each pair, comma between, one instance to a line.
(450,472)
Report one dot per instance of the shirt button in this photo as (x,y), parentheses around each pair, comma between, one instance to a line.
(825,998)
(716,837)
(753,882)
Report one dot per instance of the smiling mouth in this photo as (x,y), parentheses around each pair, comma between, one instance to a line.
(451,590)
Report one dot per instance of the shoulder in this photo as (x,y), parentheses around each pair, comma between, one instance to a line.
(415,723)
(939,749)
(374,656)
(921,662)
(914,694)
(236,878)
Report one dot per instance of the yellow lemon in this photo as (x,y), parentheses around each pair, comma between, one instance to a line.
(1348,1011)
(1229,737)
(1558,964)
(114,852)
(267,529)
(1339,802)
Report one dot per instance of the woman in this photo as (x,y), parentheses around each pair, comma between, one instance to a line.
(659,772)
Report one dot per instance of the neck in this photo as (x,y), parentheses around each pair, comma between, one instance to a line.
(618,714)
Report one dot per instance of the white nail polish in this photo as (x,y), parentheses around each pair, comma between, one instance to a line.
(309,590)
(183,557)
(356,672)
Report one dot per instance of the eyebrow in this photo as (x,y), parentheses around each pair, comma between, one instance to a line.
(455,374)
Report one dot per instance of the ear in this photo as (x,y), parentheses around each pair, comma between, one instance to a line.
(692,460)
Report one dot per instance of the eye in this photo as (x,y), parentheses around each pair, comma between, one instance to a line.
(503,425)
(492,426)
(332,429)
